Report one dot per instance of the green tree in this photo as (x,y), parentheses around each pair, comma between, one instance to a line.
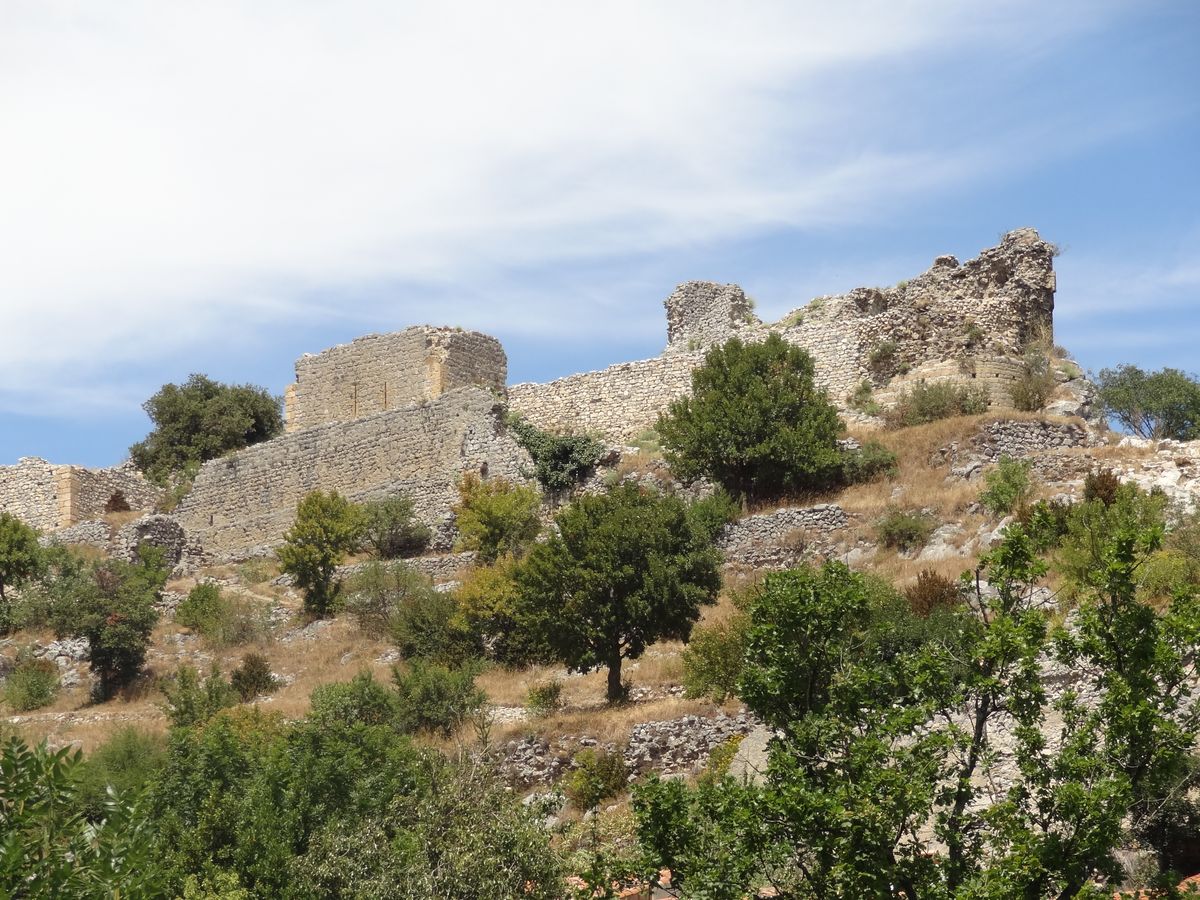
(390,529)
(48,849)
(1163,404)
(624,569)
(327,527)
(496,517)
(755,422)
(115,611)
(200,420)
(20,559)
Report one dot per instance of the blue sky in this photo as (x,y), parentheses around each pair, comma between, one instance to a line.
(218,188)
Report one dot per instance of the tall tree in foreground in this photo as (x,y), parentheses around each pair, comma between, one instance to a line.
(625,569)
(755,422)
(200,420)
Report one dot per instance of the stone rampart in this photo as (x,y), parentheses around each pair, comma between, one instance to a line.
(48,497)
(249,498)
(381,372)
(963,322)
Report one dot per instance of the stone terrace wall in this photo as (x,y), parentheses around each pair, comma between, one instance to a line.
(29,491)
(46,496)
(961,322)
(249,498)
(618,402)
(380,372)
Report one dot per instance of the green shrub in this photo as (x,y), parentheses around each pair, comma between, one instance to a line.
(932,592)
(721,758)
(127,762)
(903,530)
(882,357)
(435,698)
(1008,486)
(712,660)
(496,517)
(1046,522)
(544,697)
(20,560)
(221,619)
(253,677)
(488,609)
(426,625)
(256,571)
(190,701)
(327,527)
(390,530)
(863,401)
(360,701)
(929,402)
(870,461)
(374,593)
(1167,573)
(560,461)
(202,420)
(597,775)
(32,684)
(755,422)
(1035,384)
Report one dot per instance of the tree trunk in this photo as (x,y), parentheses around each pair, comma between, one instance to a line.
(615,691)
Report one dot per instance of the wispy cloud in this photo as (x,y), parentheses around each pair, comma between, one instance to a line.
(173,172)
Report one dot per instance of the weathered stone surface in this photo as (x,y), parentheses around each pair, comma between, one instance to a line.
(48,497)
(249,498)
(381,372)
(160,531)
(703,313)
(782,538)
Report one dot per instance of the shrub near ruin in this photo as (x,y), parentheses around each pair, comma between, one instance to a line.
(496,517)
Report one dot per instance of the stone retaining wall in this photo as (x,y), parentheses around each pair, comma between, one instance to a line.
(782,538)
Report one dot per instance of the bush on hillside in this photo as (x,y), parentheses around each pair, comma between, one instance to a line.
(200,420)
(221,619)
(253,678)
(712,660)
(1008,486)
(755,422)
(327,527)
(1036,382)
(597,775)
(932,592)
(20,560)
(390,530)
(904,530)
(544,697)
(32,684)
(431,697)
(496,517)
(929,402)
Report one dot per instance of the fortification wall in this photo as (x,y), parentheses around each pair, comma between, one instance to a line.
(956,322)
(249,498)
(381,372)
(618,402)
(48,497)
(29,491)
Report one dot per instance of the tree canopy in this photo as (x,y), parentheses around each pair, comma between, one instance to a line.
(625,568)
(327,527)
(200,420)
(755,422)
(1163,404)
(19,558)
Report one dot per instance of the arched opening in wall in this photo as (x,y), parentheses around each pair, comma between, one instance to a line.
(117,503)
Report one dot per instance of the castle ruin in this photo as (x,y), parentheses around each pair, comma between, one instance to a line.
(412,411)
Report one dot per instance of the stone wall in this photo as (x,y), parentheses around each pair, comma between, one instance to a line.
(957,322)
(46,496)
(783,537)
(249,498)
(616,403)
(703,313)
(381,372)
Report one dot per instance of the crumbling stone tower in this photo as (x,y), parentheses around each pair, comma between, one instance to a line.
(703,313)
(382,372)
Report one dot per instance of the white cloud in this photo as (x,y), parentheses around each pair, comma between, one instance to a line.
(170,172)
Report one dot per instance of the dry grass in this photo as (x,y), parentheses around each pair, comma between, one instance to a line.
(124,517)
(605,723)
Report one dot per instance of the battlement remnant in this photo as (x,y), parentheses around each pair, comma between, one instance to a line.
(703,313)
(381,372)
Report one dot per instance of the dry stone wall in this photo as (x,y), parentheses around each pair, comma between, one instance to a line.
(249,498)
(963,322)
(47,497)
(381,372)
(783,537)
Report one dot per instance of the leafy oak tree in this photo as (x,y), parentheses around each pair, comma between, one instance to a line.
(624,569)
(1163,404)
(200,420)
(327,527)
(755,422)
(20,558)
